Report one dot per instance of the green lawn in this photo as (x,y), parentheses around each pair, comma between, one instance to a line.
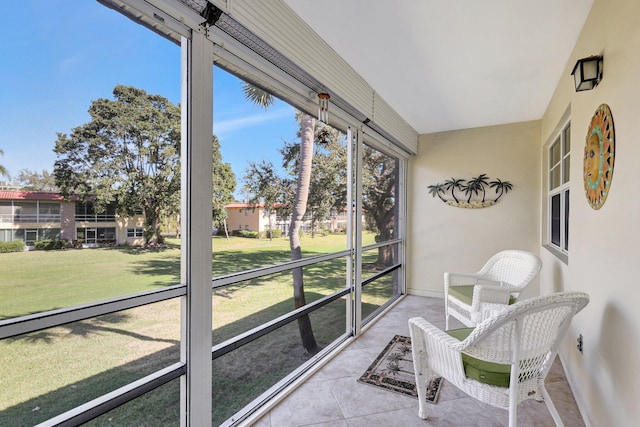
(44,280)
(50,371)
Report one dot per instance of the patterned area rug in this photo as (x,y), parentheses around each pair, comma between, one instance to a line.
(393,370)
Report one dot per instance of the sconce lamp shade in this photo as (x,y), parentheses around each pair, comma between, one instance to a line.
(587,73)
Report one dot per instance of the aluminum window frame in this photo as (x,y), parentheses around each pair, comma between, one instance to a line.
(561,137)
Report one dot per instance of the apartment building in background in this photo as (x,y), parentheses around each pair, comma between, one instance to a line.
(36,215)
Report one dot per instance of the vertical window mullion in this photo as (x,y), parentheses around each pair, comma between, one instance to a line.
(196,261)
(351,259)
(357,214)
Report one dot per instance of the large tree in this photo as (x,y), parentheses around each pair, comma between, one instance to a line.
(379,199)
(127,154)
(36,181)
(327,187)
(299,207)
(3,170)
(307,126)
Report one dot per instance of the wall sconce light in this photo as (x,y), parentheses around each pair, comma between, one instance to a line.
(587,73)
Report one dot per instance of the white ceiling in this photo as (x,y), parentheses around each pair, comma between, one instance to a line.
(454,64)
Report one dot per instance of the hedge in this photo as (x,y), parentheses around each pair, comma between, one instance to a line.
(15,246)
(49,245)
(273,234)
(246,234)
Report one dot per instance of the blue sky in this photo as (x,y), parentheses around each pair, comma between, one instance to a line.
(56,56)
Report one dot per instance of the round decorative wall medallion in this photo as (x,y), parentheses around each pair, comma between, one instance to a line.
(599,156)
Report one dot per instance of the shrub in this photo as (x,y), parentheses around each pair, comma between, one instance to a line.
(49,245)
(271,234)
(250,234)
(247,234)
(15,246)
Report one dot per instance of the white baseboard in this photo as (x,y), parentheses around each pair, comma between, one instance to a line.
(425,293)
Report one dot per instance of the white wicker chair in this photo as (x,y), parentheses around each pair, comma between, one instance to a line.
(523,338)
(499,281)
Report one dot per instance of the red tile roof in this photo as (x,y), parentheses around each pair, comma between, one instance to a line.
(29,195)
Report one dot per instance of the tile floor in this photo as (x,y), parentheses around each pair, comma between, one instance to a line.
(332,397)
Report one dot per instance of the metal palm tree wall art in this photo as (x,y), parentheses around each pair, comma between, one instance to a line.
(470,193)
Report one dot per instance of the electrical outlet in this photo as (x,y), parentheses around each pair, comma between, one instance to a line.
(580,343)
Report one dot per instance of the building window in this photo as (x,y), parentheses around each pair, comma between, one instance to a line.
(6,212)
(100,235)
(86,212)
(135,232)
(558,196)
(48,212)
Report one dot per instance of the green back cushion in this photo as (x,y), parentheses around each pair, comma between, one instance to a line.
(465,294)
(480,370)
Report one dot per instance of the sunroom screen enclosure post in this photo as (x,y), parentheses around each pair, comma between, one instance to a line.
(196,270)
(350,310)
(357,207)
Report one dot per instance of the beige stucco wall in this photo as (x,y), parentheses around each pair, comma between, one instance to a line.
(445,238)
(244,218)
(67,220)
(603,244)
(122,223)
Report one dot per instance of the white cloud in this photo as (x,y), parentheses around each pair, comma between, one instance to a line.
(226,127)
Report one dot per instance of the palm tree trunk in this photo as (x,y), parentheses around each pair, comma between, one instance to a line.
(307,125)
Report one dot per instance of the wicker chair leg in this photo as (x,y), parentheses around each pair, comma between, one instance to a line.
(421,385)
(513,410)
(421,369)
(551,407)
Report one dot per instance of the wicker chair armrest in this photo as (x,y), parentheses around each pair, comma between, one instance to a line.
(434,350)
(487,298)
(459,279)
(435,334)
(492,294)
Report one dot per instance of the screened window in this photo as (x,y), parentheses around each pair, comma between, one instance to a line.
(100,318)
(77,324)
(48,212)
(25,211)
(380,256)
(558,198)
(87,212)
(6,211)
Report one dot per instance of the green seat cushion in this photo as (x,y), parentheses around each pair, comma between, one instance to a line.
(462,293)
(465,294)
(486,372)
